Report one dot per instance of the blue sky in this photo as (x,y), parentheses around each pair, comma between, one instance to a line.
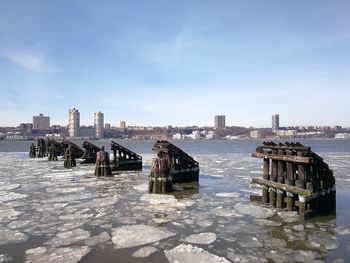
(176,62)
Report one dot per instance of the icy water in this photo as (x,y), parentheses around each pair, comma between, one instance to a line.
(52,214)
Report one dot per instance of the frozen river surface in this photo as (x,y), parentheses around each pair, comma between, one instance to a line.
(52,214)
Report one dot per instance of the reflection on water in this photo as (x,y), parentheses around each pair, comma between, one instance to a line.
(51,213)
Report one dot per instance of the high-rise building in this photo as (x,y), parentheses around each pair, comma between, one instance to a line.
(275,122)
(219,122)
(41,122)
(98,124)
(123,125)
(74,123)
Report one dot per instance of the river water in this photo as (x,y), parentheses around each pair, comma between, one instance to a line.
(52,214)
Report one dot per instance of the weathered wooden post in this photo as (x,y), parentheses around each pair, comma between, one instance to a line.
(280,179)
(32,151)
(290,181)
(266,176)
(69,159)
(273,177)
(52,153)
(102,167)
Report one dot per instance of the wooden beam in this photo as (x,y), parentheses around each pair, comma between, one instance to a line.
(295,159)
(284,187)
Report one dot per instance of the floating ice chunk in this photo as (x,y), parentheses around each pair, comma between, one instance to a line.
(342,230)
(266,222)
(136,235)
(69,237)
(288,216)
(254,211)
(184,203)
(141,187)
(5,196)
(275,242)
(64,255)
(278,258)
(36,251)
(188,254)
(325,240)
(298,228)
(202,238)
(19,223)
(144,252)
(8,236)
(5,258)
(155,199)
(6,187)
(99,239)
(249,242)
(9,214)
(227,194)
(304,256)
(244,258)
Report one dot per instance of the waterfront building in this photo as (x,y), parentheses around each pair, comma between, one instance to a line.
(123,125)
(219,122)
(255,134)
(74,123)
(41,122)
(98,124)
(275,122)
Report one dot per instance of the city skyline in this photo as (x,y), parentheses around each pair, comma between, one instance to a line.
(176,63)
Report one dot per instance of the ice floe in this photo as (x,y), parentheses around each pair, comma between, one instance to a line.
(156,199)
(98,240)
(10,196)
(227,194)
(144,252)
(188,254)
(5,258)
(254,211)
(136,235)
(202,238)
(8,236)
(68,238)
(141,187)
(64,255)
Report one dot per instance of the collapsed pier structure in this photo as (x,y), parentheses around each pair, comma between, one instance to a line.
(172,165)
(124,159)
(90,152)
(295,178)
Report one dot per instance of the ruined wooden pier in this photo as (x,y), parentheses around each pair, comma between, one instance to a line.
(172,165)
(124,159)
(295,178)
(90,153)
(72,152)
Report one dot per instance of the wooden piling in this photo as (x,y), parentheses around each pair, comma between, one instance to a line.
(266,176)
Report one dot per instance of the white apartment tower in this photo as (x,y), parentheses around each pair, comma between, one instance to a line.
(74,123)
(275,122)
(98,124)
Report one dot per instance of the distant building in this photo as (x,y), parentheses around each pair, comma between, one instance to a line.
(98,124)
(87,131)
(255,134)
(219,122)
(74,123)
(107,126)
(41,122)
(342,136)
(275,122)
(123,125)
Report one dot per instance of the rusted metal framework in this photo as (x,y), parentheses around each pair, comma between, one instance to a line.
(90,153)
(296,178)
(172,165)
(124,159)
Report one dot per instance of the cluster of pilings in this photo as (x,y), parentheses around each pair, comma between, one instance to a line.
(295,178)
(90,152)
(172,165)
(124,159)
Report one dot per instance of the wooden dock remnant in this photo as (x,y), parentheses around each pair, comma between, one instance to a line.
(32,151)
(41,146)
(90,153)
(124,159)
(77,152)
(103,167)
(295,178)
(172,165)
